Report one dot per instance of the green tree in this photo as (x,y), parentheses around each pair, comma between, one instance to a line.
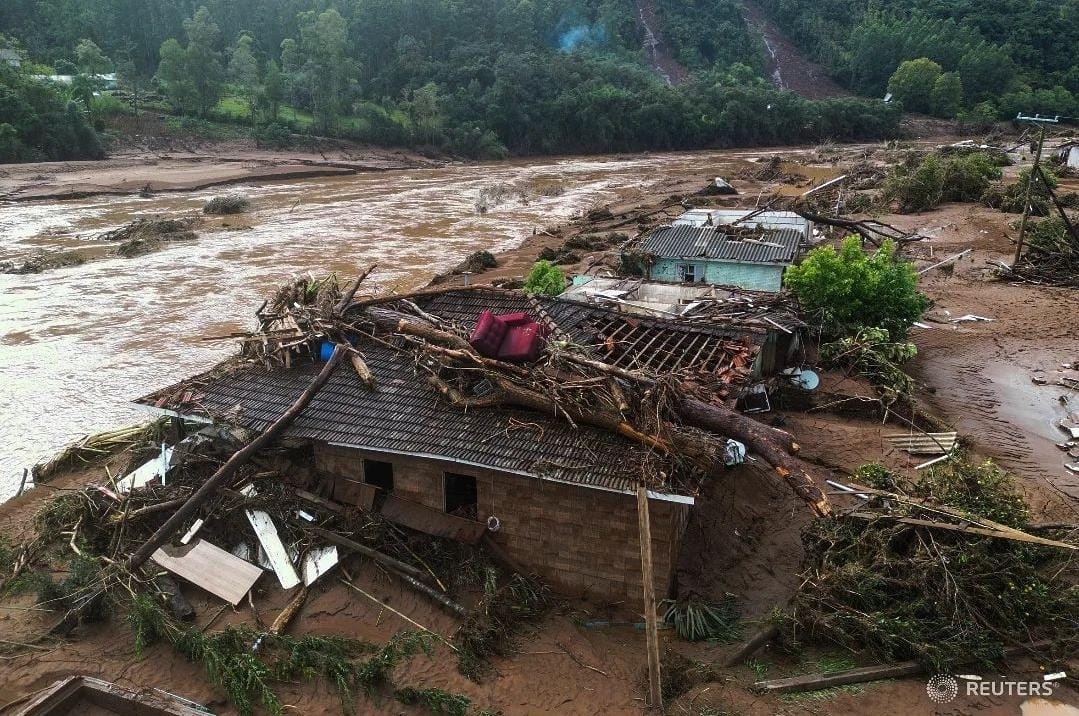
(90,59)
(425,112)
(244,69)
(987,71)
(131,79)
(173,77)
(848,290)
(324,38)
(273,89)
(947,95)
(545,278)
(202,60)
(912,84)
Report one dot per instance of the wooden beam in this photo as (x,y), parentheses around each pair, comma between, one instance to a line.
(651,627)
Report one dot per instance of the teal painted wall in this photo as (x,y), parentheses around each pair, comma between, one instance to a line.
(757,277)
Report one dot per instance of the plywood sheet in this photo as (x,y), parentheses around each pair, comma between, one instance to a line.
(210,567)
(219,573)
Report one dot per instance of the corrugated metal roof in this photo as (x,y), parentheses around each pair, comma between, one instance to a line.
(774,246)
(763,220)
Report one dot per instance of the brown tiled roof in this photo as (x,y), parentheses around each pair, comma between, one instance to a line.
(405,416)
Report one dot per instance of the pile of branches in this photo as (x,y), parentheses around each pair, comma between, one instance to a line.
(906,590)
(75,565)
(1052,258)
(682,434)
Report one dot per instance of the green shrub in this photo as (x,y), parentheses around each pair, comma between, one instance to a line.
(545,278)
(1010,198)
(229,204)
(935,180)
(848,290)
(275,136)
(698,620)
(872,353)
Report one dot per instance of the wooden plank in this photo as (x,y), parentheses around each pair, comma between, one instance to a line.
(271,543)
(210,567)
(431,521)
(813,682)
(318,561)
(353,492)
(65,695)
(651,627)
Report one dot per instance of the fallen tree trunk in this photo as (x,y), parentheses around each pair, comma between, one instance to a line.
(226,472)
(815,682)
(753,434)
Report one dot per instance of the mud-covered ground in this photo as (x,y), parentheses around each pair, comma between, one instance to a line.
(744,538)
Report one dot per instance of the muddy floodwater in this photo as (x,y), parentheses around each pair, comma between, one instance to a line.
(77,344)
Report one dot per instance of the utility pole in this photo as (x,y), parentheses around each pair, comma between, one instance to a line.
(651,627)
(1040,122)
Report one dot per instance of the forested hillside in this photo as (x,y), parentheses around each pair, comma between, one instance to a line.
(486,78)
(993,58)
(475,77)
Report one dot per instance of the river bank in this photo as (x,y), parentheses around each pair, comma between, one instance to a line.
(132,172)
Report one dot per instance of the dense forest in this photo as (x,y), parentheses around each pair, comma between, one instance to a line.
(983,58)
(486,78)
(476,77)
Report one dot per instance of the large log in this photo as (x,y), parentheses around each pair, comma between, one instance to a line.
(761,441)
(227,471)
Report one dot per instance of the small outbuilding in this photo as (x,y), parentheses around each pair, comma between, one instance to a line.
(746,257)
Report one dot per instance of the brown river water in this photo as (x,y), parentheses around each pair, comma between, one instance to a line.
(78,344)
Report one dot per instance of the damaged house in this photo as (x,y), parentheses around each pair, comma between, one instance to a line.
(429,450)
(747,257)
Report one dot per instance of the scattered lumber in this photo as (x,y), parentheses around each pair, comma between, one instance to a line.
(924,443)
(753,645)
(220,478)
(206,565)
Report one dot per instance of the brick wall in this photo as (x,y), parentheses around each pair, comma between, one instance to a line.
(579,540)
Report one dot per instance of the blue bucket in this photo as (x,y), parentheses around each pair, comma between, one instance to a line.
(325,350)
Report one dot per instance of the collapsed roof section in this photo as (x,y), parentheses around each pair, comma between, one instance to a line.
(408,415)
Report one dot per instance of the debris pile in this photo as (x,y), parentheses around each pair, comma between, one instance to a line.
(225,205)
(42,261)
(143,236)
(943,570)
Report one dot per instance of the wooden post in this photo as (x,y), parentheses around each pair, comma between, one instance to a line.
(1034,171)
(651,628)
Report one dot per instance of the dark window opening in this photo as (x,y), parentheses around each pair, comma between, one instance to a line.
(688,272)
(461,495)
(378,474)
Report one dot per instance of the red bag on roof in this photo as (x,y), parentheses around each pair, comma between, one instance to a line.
(523,343)
(515,319)
(488,334)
